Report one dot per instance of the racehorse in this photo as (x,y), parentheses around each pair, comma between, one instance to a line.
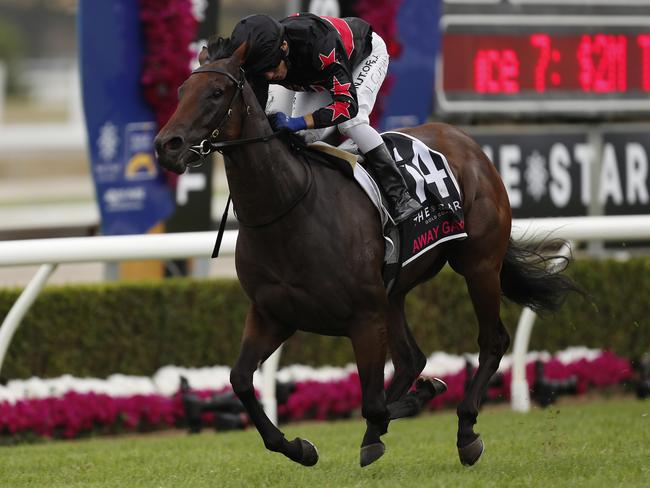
(310,251)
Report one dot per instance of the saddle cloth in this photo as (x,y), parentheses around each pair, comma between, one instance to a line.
(430,180)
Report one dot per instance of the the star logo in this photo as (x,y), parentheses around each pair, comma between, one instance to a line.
(339,109)
(327,60)
(341,88)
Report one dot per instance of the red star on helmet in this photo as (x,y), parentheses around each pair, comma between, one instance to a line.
(338,109)
(341,88)
(327,60)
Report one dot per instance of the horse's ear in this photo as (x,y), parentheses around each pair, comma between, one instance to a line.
(203,55)
(239,56)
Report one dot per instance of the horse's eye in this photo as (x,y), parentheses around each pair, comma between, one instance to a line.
(217,93)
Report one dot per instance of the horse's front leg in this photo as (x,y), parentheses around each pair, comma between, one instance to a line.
(261,338)
(369,343)
(493,339)
(409,361)
(408,358)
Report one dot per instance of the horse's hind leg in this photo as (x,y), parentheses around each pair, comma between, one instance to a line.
(369,343)
(261,338)
(484,288)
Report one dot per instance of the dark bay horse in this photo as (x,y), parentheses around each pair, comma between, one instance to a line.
(310,252)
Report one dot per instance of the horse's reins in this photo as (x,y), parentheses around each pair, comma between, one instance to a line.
(206,146)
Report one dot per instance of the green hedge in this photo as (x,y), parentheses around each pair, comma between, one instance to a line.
(97,330)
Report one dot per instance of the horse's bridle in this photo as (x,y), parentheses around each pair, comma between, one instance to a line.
(207,146)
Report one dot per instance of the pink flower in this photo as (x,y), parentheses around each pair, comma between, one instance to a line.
(169,27)
(77,413)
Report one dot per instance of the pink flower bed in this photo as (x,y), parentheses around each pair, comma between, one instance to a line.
(76,414)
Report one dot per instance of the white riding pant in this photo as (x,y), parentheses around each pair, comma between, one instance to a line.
(367,76)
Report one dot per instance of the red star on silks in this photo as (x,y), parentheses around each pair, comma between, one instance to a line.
(327,60)
(341,88)
(338,109)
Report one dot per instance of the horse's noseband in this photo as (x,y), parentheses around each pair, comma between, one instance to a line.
(207,146)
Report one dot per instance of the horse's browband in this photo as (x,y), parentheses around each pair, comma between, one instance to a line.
(207,69)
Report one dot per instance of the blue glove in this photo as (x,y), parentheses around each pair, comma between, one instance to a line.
(281,121)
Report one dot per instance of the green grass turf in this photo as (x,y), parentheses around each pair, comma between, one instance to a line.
(603,443)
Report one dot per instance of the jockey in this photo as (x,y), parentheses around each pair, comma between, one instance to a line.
(336,66)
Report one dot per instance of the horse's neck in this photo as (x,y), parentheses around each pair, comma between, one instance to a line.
(264,178)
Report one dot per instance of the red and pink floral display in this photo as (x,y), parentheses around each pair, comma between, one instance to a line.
(74,414)
(168,27)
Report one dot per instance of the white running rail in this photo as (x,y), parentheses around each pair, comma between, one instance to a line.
(50,252)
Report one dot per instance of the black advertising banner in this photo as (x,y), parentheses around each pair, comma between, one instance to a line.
(625,180)
(541,172)
(571,173)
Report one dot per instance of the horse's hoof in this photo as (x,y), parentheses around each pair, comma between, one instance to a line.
(435,386)
(372,452)
(471,452)
(309,453)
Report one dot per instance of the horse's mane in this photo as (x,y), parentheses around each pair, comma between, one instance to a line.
(220,48)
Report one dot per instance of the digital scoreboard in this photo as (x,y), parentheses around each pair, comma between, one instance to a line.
(554,64)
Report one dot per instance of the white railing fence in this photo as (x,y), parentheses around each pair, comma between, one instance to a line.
(50,252)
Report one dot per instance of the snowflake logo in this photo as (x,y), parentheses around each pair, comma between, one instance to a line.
(536,175)
(108,141)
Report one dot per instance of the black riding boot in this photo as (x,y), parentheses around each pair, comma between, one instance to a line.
(384,168)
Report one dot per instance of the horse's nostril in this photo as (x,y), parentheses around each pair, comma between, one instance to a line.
(174,143)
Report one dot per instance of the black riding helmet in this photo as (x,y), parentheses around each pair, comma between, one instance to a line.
(264,35)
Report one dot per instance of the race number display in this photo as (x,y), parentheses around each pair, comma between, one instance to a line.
(519,57)
(431,181)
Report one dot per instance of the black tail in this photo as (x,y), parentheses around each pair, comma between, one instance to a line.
(531,279)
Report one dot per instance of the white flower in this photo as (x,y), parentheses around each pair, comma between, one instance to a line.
(167,380)
(198,9)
